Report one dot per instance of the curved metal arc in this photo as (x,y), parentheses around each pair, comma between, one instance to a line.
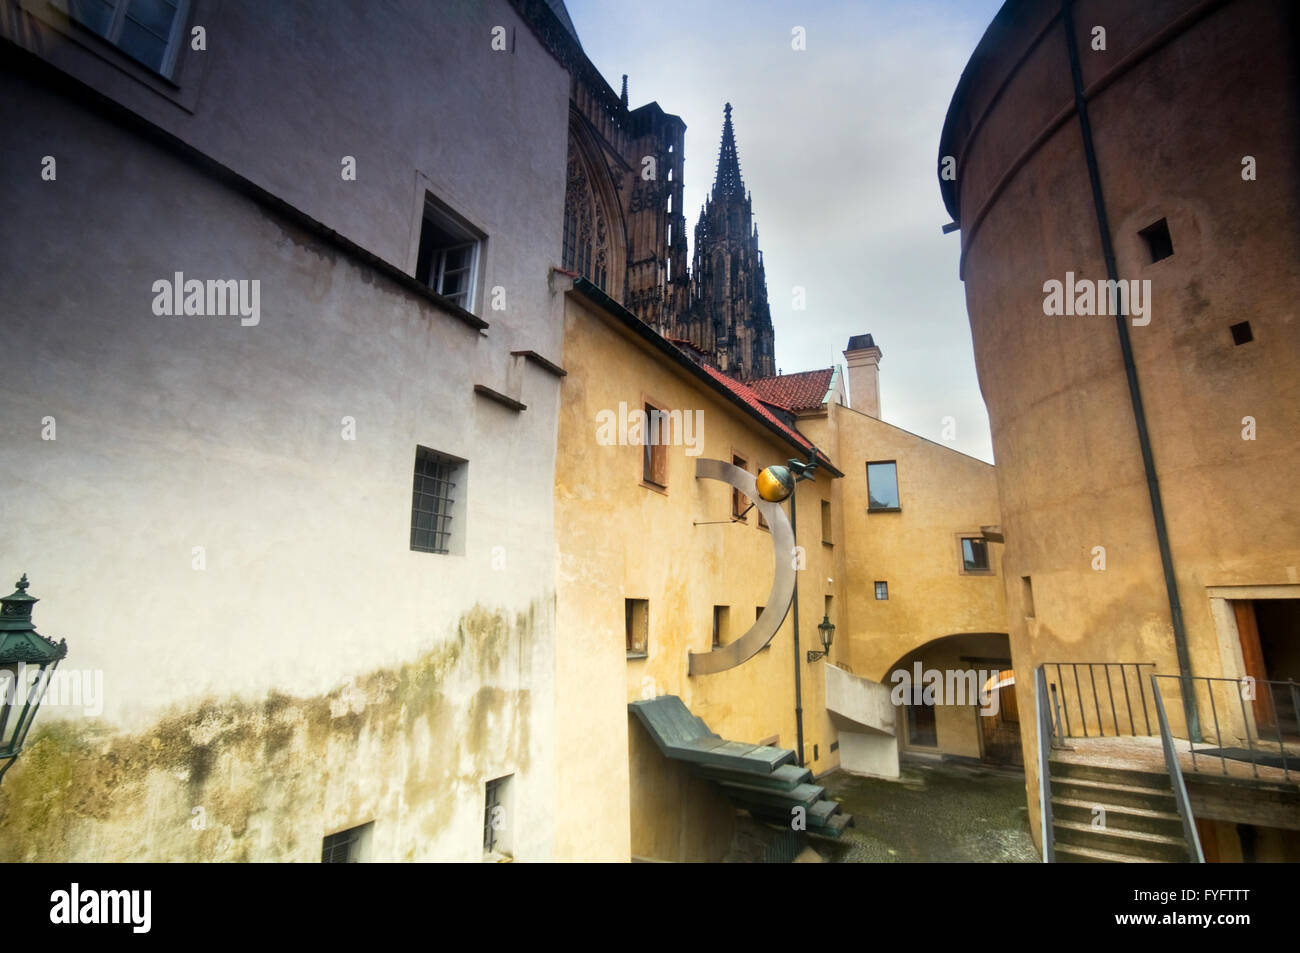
(778,601)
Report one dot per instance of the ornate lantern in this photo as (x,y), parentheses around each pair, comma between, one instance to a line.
(27,662)
(826,629)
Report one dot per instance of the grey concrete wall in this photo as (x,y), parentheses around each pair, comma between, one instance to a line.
(315,674)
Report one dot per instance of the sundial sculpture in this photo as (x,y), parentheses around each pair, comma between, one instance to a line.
(773,485)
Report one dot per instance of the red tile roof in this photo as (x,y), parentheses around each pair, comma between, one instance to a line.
(751,397)
(803,391)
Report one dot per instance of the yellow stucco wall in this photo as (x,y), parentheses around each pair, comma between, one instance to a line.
(619,539)
(942,494)
(1059,406)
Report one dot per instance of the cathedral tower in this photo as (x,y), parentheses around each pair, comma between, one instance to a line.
(728,314)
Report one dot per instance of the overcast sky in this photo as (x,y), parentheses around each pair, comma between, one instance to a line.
(838,145)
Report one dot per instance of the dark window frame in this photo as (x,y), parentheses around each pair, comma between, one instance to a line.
(962,567)
(898,490)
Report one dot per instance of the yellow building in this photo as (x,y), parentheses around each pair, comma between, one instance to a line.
(655,563)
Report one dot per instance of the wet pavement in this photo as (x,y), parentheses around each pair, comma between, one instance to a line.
(936,813)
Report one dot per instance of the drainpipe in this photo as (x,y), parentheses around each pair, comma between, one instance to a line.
(798,685)
(1130,371)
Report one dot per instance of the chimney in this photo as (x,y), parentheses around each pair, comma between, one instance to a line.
(863,358)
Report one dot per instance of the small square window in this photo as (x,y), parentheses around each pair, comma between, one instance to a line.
(347,847)
(974,554)
(721,621)
(882,590)
(882,486)
(1159,244)
(637,626)
(1241,333)
(434,497)
(449,254)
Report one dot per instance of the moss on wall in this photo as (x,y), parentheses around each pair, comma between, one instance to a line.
(231,779)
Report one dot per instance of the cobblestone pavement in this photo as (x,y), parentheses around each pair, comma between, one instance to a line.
(940,812)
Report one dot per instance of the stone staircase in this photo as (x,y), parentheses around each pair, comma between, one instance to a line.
(1141,825)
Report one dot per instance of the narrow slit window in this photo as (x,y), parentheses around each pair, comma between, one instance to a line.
(637,626)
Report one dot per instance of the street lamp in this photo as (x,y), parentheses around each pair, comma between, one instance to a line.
(27,662)
(826,629)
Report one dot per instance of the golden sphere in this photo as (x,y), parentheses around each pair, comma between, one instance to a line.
(775,483)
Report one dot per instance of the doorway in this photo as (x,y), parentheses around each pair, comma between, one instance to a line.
(1269,630)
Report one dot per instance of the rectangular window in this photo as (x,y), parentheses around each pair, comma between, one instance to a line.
(920,726)
(149,31)
(654,461)
(496,819)
(974,554)
(1027,594)
(739,502)
(449,255)
(882,486)
(721,620)
(826,522)
(347,847)
(432,500)
(882,590)
(637,626)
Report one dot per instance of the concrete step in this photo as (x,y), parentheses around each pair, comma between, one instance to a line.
(1110,795)
(1119,817)
(1153,847)
(1097,772)
(1087,855)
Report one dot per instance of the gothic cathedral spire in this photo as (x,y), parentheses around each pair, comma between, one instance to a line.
(728,316)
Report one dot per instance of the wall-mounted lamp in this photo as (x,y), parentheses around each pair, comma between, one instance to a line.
(826,629)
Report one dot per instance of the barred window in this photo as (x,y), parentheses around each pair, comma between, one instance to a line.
(436,478)
(347,847)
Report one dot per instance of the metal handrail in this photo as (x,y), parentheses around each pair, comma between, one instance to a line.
(1176,777)
(1045,734)
(1289,760)
(1087,698)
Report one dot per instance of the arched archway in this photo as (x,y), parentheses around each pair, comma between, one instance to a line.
(957,698)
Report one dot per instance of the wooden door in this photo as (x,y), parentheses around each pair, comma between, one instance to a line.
(1252,654)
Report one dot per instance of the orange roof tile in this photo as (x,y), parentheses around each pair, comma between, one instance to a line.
(803,391)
